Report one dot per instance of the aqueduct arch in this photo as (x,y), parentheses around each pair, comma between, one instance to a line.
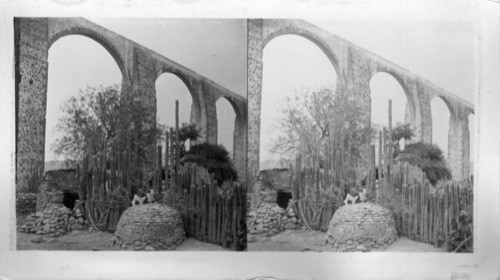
(410,114)
(355,68)
(195,108)
(239,134)
(140,68)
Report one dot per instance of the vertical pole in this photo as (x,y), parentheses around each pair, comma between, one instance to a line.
(173,174)
(158,171)
(167,153)
(384,163)
(178,144)
(372,172)
(390,154)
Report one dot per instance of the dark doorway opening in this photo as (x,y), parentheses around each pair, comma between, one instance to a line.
(69,199)
(283,198)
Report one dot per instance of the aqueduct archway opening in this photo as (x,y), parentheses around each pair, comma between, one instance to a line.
(226,118)
(69,72)
(472,135)
(170,88)
(441,115)
(139,68)
(293,65)
(384,87)
(355,67)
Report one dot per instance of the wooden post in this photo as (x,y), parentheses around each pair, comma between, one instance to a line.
(390,135)
(167,158)
(158,171)
(177,140)
(173,172)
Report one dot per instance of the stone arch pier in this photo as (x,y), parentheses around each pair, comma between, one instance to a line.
(140,67)
(355,67)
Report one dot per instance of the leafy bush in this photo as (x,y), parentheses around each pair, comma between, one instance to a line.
(179,200)
(391,199)
(429,158)
(215,158)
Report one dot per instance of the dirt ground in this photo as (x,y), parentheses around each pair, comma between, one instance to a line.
(314,241)
(95,241)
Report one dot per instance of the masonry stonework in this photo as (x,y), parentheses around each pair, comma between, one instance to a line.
(355,67)
(31,96)
(140,67)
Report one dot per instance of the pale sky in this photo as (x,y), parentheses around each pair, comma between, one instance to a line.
(442,53)
(215,49)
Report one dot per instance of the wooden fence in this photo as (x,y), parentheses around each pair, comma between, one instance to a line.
(428,215)
(432,217)
(320,182)
(218,214)
(108,179)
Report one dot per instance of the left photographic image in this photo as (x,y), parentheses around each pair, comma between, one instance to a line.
(131,134)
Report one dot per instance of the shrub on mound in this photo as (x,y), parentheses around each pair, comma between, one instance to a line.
(150,227)
(361,226)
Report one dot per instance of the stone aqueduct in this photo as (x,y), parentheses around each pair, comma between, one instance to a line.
(140,67)
(355,67)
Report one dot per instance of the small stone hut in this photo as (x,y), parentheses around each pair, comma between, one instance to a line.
(271,196)
(360,227)
(58,186)
(150,226)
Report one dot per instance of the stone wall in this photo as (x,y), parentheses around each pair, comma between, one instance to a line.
(53,186)
(264,215)
(271,219)
(54,220)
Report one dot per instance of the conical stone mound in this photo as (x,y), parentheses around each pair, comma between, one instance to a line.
(150,227)
(361,227)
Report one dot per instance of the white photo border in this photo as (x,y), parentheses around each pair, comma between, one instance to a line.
(482,264)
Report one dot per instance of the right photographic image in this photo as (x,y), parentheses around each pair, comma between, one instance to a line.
(360,135)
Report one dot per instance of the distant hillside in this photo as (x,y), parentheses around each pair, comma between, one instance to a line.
(273,164)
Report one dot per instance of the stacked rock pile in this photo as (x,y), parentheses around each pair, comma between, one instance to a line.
(53,186)
(262,194)
(361,227)
(290,220)
(54,219)
(48,195)
(270,219)
(25,203)
(149,227)
(76,221)
(265,219)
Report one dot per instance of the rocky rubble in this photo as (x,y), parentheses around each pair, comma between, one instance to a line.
(25,203)
(149,227)
(54,219)
(270,219)
(361,227)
